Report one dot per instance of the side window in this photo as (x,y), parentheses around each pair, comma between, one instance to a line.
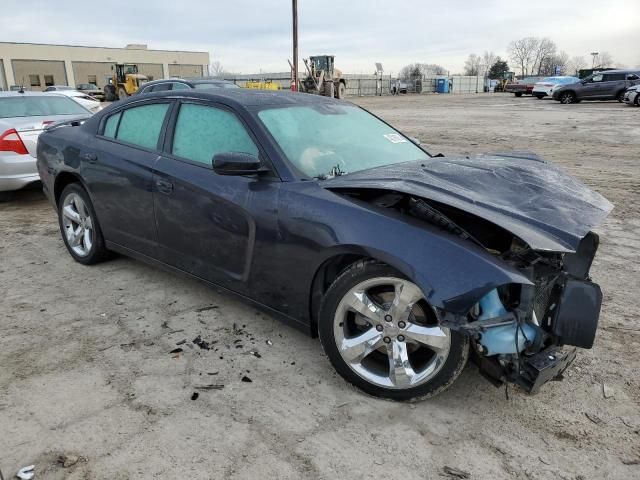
(613,77)
(141,125)
(632,76)
(597,78)
(180,86)
(201,132)
(161,87)
(111,125)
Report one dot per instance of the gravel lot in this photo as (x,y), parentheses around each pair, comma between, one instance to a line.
(86,369)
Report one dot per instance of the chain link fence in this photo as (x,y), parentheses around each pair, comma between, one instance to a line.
(371,85)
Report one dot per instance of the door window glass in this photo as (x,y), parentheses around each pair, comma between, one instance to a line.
(111,125)
(612,77)
(161,87)
(202,132)
(597,78)
(141,125)
(180,86)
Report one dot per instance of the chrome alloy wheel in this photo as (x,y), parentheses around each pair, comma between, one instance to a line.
(388,335)
(77,223)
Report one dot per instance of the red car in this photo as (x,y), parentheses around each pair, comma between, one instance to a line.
(522,87)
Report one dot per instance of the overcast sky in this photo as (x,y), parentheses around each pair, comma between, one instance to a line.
(247,36)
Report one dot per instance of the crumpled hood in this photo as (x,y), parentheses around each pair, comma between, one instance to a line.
(547,208)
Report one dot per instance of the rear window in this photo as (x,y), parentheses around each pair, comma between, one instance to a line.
(613,77)
(39,106)
(139,126)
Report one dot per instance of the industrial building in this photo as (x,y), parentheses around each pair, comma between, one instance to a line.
(36,66)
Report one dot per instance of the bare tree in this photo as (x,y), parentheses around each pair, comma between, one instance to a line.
(472,65)
(575,64)
(523,53)
(488,59)
(216,69)
(557,64)
(545,50)
(415,71)
(604,59)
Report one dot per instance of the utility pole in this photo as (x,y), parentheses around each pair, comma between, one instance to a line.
(294,76)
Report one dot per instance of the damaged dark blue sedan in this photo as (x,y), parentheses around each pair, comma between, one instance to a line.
(403,263)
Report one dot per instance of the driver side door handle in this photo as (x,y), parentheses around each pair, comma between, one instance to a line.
(164,187)
(89,157)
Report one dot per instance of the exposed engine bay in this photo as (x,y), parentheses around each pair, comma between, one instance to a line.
(522,334)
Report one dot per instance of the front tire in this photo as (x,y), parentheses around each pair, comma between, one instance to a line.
(122,94)
(381,335)
(518,94)
(620,97)
(79,226)
(341,91)
(567,98)
(539,97)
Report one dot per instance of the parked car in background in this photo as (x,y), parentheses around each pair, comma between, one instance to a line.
(632,96)
(546,86)
(521,87)
(57,88)
(23,116)
(609,85)
(398,260)
(87,101)
(184,84)
(91,89)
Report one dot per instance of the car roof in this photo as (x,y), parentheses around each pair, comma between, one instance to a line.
(30,94)
(190,81)
(622,70)
(246,97)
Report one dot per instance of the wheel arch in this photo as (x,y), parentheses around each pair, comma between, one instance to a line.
(62,180)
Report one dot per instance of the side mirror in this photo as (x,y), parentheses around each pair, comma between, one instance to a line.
(237,163)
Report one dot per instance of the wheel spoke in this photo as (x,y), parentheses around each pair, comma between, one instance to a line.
(79,204)
(361,303)
(355,349)
(433,337)
(71,214)
(86,240)
(401,373)
(76,236)
(406,295)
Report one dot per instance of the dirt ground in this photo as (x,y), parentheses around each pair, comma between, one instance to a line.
(86,369)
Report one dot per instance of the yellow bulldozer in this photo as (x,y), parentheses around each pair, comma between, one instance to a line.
(124,82)
(323,78)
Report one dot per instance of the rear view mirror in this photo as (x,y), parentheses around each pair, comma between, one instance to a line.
(237,163)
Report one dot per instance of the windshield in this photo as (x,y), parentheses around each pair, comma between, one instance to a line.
(39,106)
(325,140)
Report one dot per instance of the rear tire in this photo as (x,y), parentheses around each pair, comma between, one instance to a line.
(122,94)
(518,94)
(341,91)
(79,226)
(539,97)
(408,357)
(620,96)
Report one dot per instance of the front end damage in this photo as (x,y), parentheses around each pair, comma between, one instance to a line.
(525,334)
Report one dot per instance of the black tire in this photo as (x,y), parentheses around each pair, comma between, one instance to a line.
(567,98)
(365,270)
(109,93)
(518,94)
(539,97)
(341,90)
(98,251)
(637,101)
(620,96)
(122,94)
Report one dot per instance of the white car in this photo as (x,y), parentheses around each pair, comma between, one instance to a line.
(632,96)
(23,116)
(546,86)
(87,101)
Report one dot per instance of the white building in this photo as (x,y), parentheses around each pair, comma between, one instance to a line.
(36,66)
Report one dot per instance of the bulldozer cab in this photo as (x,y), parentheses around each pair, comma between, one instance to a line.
(125,81)
(322,63)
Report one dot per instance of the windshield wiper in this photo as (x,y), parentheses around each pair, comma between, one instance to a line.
(335,172)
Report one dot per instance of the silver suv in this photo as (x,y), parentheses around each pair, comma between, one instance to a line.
(608,85)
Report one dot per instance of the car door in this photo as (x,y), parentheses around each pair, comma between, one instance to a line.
(118,170)
(208,223)
(591,86)
(611,85)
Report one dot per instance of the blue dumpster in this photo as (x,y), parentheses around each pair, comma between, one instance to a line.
(442,85)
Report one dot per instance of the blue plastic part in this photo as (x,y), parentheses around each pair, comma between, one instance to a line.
(501,339)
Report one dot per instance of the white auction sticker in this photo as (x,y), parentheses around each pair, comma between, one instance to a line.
(395,138)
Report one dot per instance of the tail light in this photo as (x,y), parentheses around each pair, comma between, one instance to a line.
(10,141)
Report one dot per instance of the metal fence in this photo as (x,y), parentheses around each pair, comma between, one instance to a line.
(370,85)
(357,85)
